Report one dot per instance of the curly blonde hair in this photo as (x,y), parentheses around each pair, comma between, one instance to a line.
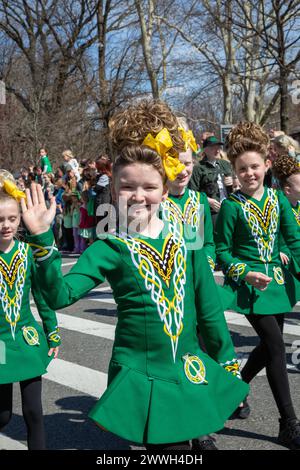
(283,142)
(247,137)
(131,125)
(284,167)
(5,175)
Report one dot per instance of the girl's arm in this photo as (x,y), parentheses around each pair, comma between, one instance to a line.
(209,244)
(58,290)
(210,315)
(234,268)
(289,227)
(47,315)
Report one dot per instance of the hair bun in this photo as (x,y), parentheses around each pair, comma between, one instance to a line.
(5,175)
(285,166)
(131,125)
(247,137)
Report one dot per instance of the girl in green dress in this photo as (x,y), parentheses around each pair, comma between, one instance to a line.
(45,162)
(25,348)
(287,171)
(191,207)
(162,389)
(247,244)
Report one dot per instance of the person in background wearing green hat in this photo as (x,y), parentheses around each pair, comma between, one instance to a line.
(212,175)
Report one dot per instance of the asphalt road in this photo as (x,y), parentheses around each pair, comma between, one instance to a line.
(78,378)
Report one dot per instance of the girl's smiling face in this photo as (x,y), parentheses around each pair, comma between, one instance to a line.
(9,220)
(250,169)
(177,186)
(292,188)
(138,190)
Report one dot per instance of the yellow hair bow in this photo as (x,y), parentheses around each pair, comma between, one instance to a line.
(189,139)
(11,189)
(162,144)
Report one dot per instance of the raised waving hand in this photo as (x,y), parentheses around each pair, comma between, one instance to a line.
(36,216)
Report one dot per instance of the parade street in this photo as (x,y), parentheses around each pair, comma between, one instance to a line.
(78,378)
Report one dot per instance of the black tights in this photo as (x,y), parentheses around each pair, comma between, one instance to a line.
(31,392)
(270,353)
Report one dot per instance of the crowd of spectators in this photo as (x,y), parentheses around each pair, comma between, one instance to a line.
(82,187)
(79,189)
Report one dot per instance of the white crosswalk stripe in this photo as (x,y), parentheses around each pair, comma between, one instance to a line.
(81,325)
(10,444)
(83,379)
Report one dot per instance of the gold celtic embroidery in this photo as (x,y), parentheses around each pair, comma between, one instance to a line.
(296,213)
(16,273)
(163,263)
(153,267)
(9,272)
(194,369)
(31,335)
(54,336)
(278,275)
(42,253)
(211,263)
(235,271)
(232,367)
(190,214)
(263,224)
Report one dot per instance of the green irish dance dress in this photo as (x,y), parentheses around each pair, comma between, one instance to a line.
(293,265)
(192,209)
(248,239)
(24,344)
(296,212)
(161,387)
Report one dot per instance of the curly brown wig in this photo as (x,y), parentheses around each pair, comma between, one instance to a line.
(284,167)
(131,125)
(139,154)
(247,137)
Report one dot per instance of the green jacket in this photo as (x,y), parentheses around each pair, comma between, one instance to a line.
(205,177)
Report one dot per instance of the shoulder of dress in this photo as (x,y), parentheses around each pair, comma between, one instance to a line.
(111,242)
(202,196)
(234,198)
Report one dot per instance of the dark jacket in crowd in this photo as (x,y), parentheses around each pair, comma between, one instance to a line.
(205,177)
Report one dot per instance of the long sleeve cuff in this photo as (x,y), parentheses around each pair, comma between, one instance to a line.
(237,272)
(54,338)
(42,245)
(232,367)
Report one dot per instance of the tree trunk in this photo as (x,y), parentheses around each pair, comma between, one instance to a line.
(283,72)
(146,44)
(103,103)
